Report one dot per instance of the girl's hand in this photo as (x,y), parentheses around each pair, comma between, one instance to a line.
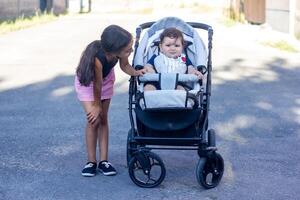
(140,72)
(94,114)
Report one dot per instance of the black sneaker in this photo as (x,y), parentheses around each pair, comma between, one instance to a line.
(106,168)
(89,169)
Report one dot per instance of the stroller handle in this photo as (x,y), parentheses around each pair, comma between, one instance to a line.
(200,26)
(193,24)
(146,25)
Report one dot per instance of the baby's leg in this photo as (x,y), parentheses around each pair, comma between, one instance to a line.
(180,87)
(149,87)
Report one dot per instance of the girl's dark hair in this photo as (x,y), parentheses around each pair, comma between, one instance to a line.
(172,33)
(114,38)
(86,67)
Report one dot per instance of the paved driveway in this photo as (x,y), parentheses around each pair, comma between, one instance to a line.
(255,110)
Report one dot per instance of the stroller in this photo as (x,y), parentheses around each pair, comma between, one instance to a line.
(168,118)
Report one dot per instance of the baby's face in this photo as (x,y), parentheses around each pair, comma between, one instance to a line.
(171,47)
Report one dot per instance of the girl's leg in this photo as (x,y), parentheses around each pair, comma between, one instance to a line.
(103,131)
(91,134)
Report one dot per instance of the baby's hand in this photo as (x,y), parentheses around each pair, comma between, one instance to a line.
(199,74)
(192,70)
(149,69)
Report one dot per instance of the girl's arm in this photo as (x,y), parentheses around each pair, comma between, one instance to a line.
(98,82)
(97,87)
(128,69)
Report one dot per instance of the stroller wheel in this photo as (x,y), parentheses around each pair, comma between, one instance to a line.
(130,146)
(210,170)
(146,169)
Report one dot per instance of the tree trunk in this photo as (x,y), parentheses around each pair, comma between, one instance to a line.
(81,6)
(235,9)
(90,5)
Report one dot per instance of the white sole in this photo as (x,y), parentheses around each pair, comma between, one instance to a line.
(87,175)
(107,173)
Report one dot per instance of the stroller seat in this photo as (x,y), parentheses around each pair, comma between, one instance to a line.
(168,97)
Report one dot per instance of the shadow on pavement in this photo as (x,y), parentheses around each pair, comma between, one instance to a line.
(256,116)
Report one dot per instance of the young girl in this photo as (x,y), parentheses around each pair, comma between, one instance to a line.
(94,87)
(171,58)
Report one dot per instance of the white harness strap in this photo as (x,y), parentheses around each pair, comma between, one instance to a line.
(164,64)
(168,82)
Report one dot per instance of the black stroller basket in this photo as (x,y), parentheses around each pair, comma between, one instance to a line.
(172,129)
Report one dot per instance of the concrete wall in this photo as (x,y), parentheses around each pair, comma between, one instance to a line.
(297,18)
(278,14)
(10,9)
(284,15)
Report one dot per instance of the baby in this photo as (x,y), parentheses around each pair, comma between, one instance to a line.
(170,59)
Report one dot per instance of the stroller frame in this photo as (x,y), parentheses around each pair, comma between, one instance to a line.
(210,167)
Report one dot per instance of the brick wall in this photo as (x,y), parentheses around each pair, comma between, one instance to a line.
(59,6)
(10,9)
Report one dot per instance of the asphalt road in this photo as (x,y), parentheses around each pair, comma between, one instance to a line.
(255,110)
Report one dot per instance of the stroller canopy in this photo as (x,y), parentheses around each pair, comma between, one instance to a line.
(196,50)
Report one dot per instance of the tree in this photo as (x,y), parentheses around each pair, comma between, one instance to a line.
(82,6)
(236,9)
(90,5)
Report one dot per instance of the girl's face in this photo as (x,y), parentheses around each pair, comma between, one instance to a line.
(171,47)
(125,52)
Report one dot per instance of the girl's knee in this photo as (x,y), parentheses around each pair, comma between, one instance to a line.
(94,125)
(103,120)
